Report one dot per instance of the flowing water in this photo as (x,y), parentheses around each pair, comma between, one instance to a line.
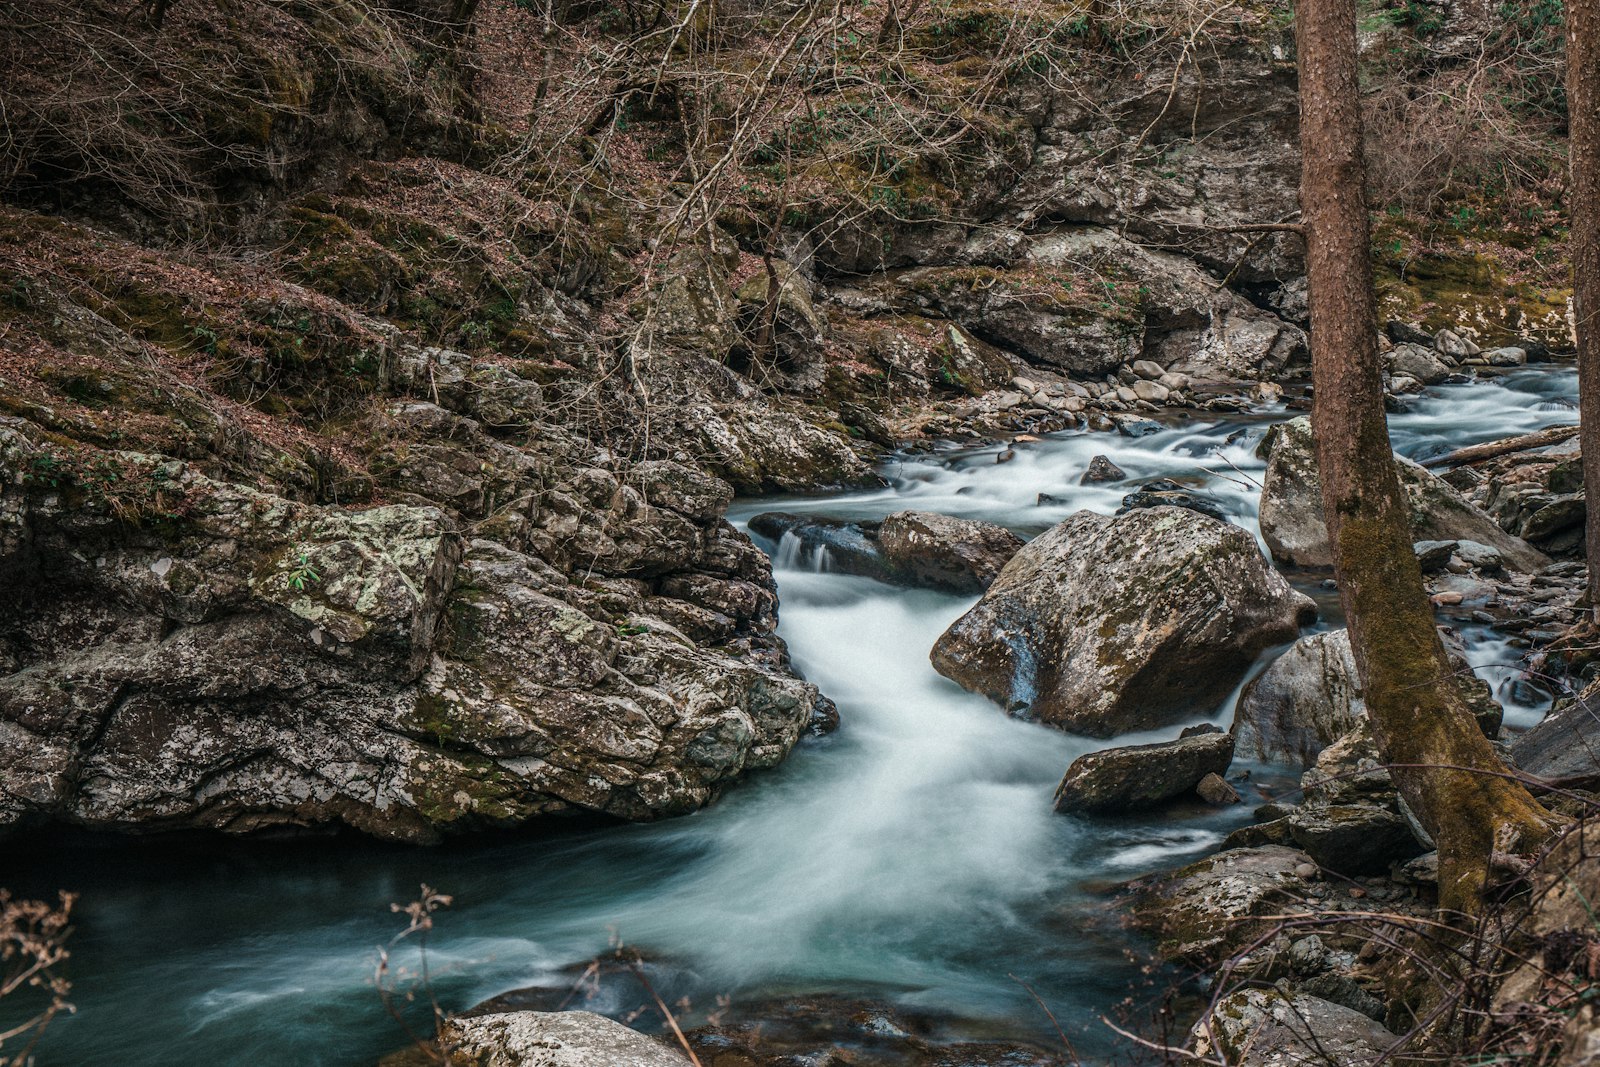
(911,857)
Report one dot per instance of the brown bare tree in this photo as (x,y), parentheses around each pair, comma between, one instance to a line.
(1583,204)
(1441,762)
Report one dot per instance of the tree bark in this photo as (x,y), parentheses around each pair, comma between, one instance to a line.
(1444,768)
(1583,204)
(1505,447)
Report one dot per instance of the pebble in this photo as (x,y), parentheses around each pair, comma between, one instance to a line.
(1306,870)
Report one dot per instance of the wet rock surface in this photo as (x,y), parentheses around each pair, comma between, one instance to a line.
(1143,776)
(912,548)
(1310,697)
(1104,625)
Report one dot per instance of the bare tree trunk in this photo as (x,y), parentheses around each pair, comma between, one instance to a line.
(1443,766)
(1583,202)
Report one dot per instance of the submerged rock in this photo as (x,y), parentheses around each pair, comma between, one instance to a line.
(1143,776)
(1291,508)
(1104,625)
(552,1039)
(828,1029)
(844,547)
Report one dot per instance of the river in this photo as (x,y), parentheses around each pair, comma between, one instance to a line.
(912,857)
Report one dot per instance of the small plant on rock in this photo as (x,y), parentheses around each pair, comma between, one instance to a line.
(303,574)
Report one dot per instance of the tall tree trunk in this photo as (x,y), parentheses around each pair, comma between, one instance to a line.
(1443,766)
(1583,203)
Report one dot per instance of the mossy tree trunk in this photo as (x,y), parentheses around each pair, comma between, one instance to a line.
(1583,202)
(1443,766)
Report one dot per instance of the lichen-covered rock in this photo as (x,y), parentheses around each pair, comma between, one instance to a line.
(1203,913)
(1271,1028)
(186,652)
(551,1039)
(1142,776)
(1291,507)
(1310,696)
(1104,625)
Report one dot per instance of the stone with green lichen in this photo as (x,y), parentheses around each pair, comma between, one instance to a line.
(1104,625)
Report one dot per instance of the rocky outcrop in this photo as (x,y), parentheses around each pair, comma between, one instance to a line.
(1270,1028)
(1538,498)
(1291,507)
(921,549)
(187,652)
(1311,696)
(551,1039)
(1143,776)
(1104,625)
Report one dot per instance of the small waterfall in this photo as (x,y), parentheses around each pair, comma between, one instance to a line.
(793,554)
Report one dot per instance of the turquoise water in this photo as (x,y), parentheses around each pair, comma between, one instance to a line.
(911,857)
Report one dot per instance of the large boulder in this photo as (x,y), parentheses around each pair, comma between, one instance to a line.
(1271,1028)
(551,1039)
(1142,776)
(1291,508)
(1311,695)
(1104,625)
(182,652)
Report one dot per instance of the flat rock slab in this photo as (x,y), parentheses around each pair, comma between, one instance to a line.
(553,1039)
(1202,913)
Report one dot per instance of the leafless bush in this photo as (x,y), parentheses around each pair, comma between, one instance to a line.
(169,106)
(33,936)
